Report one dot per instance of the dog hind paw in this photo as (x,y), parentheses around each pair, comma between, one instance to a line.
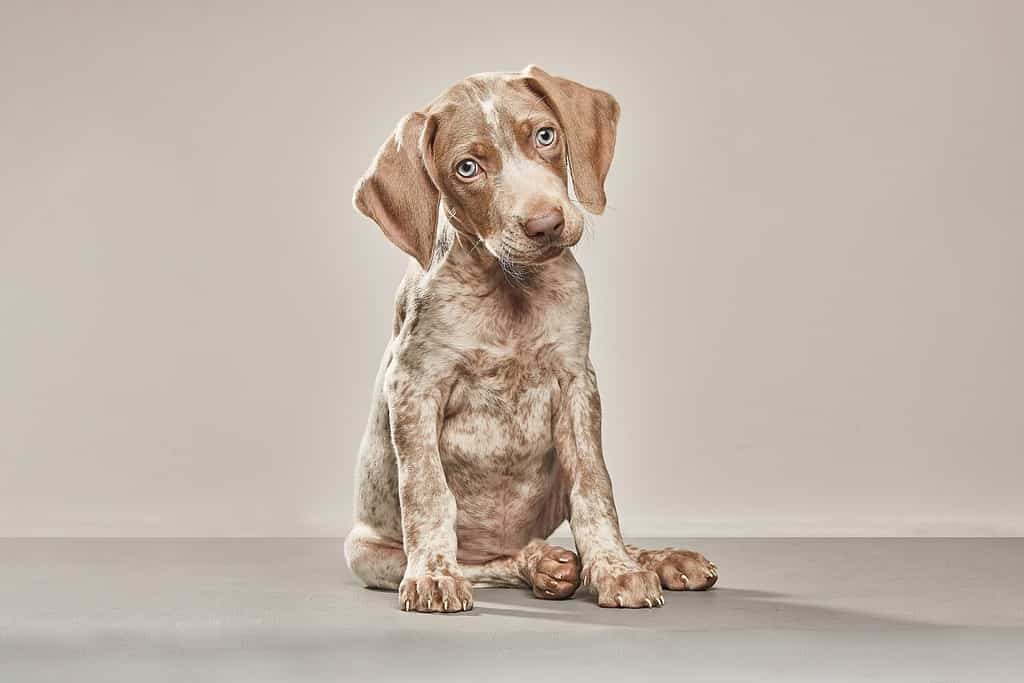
(557,574)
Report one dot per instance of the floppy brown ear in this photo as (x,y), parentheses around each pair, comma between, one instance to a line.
(588,119)
(397,192)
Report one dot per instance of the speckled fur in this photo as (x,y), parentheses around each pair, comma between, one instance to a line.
(485,428)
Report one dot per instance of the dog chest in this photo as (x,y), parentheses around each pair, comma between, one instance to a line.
(500,405)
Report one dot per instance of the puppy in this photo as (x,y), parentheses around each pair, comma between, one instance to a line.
(485,427)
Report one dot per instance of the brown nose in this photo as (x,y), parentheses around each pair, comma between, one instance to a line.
(545,225)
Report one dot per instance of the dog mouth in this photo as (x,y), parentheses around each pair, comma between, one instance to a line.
(514,251)
(538,254)
(550,252)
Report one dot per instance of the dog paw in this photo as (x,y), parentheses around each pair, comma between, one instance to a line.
(556,575)
(680,570)
(435,591)
(623,584)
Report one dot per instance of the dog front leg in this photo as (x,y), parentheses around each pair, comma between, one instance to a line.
(432,580)
(608,567)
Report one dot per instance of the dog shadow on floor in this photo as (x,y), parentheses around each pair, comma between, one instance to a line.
(720,609)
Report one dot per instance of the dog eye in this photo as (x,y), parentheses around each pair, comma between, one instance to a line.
(546,136)
(467,168)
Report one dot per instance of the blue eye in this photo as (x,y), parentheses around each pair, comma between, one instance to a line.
(546,136)
(467,168)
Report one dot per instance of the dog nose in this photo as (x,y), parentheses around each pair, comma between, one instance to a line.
(545,225)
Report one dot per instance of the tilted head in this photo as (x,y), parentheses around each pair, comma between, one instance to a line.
(497,150)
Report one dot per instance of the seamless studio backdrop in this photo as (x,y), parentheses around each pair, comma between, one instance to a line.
(806,292)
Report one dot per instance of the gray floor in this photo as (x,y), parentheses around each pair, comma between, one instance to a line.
(287,610)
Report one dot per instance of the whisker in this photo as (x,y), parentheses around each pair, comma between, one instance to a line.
(584,204)
(515,274)
(588,227)
(476,245)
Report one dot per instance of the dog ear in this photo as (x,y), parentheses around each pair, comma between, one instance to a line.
(588,119)
(399,194)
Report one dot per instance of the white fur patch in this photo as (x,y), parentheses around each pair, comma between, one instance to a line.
(490,113)
(400,132)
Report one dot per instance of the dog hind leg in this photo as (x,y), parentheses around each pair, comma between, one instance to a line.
(552,572)
(380,563)
(377,561)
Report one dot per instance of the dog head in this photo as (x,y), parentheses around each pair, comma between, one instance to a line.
(497,150)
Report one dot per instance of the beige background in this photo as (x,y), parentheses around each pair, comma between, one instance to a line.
(807,295)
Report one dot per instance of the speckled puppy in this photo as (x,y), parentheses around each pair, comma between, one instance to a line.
(485,429)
